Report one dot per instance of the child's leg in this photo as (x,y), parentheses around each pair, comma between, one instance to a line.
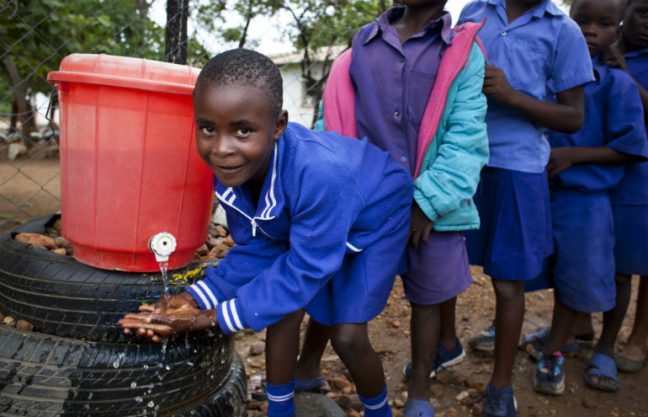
(351,342)
(315,340)
(635,348)
(561,326)
(448,336)
(509,314)
(613,319)
(424,327)
(282,344)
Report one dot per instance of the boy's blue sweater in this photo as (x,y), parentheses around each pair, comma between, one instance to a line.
(316,206)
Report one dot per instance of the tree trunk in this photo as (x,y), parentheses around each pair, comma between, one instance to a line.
(13,122)
(24,109)
(176,31)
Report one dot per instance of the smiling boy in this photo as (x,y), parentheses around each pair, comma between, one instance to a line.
(320,222)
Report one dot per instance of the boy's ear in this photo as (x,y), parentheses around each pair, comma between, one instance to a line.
(281,124)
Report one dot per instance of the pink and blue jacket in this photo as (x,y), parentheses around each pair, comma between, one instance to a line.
(452,142)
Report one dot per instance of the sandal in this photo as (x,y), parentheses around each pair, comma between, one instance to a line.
(602,373)
(418,408)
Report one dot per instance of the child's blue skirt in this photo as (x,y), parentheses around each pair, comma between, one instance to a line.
(631,229)
(582,266)
(515,233)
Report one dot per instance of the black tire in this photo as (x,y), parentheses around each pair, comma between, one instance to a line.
(46,376)
(63,297)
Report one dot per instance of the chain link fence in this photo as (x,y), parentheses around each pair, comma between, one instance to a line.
(301,36)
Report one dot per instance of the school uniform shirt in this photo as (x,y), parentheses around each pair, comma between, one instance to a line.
(325,202)
(633,190)
(393,81)
(613,117)
(542,53)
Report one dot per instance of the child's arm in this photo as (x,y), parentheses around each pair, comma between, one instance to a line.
(452,178)
(564,116)
(565,157)
(625,133)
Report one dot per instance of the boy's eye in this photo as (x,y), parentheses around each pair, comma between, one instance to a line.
(244,132)
(207,130)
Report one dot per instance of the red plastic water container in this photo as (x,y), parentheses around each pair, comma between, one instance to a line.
(129,164)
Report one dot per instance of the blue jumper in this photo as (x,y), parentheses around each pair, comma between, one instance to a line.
(328,234)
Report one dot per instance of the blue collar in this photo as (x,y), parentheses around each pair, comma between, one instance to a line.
(383,21)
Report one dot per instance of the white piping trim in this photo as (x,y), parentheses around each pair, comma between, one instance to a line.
(235,315)
(353,248)
(201,295)
(281,398)
(266,212)
(209,292)
(228,322)
(377,406)
(228,190)
(251,219)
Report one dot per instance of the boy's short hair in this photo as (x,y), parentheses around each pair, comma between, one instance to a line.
(620,4)
(244,67)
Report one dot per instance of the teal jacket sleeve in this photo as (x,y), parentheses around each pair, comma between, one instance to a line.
(452,178)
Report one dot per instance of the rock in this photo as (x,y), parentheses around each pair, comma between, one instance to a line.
(203,250)
(352,413)
(310,404)
(476,385)
(9,321)
(462,395)
(477,409)
(15,150)
(62,242)
(229,241)
(339,383)
(350,402)
(589,403)
(24,325)
(60,251)
(256,349)
(36,240)
(58,225)
(221,231)
(395,324)
(398,403)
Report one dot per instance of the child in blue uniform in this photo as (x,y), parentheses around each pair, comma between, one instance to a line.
(583,168)
(631,203)
(320,223)
(537,64)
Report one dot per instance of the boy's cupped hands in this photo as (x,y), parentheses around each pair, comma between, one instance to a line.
(170,315)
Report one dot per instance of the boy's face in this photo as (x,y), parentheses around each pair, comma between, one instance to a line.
(236,129)
(635,24)
(599,22)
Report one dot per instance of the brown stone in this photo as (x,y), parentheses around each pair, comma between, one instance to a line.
(203,250)
(62,242)
(36,240)
(589,403)
(256,348)
(220,231)
(339,383)
(24,325)
(59,251)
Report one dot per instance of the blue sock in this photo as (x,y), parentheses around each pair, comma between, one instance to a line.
(376,406)
(280,399)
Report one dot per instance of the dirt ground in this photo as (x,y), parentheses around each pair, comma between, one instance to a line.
(30,188)
(475,309)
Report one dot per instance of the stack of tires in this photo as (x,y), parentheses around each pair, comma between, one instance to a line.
(78,362)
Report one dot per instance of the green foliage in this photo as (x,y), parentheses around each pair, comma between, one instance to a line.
(37,34)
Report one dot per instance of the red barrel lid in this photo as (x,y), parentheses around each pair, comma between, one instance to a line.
(119,71)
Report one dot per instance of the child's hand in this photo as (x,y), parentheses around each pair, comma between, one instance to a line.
(159,326)
(497,85)
(420,227)
(614,58)
(171,302)
(560,160)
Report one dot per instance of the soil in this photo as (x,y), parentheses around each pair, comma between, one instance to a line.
(455,391)
(33,186)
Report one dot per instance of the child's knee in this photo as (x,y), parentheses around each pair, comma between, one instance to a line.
(508,290)
(350,339)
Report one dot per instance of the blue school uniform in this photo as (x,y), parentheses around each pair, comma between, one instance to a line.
(582,267)
(542,53)
(631,197)
(328,234)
